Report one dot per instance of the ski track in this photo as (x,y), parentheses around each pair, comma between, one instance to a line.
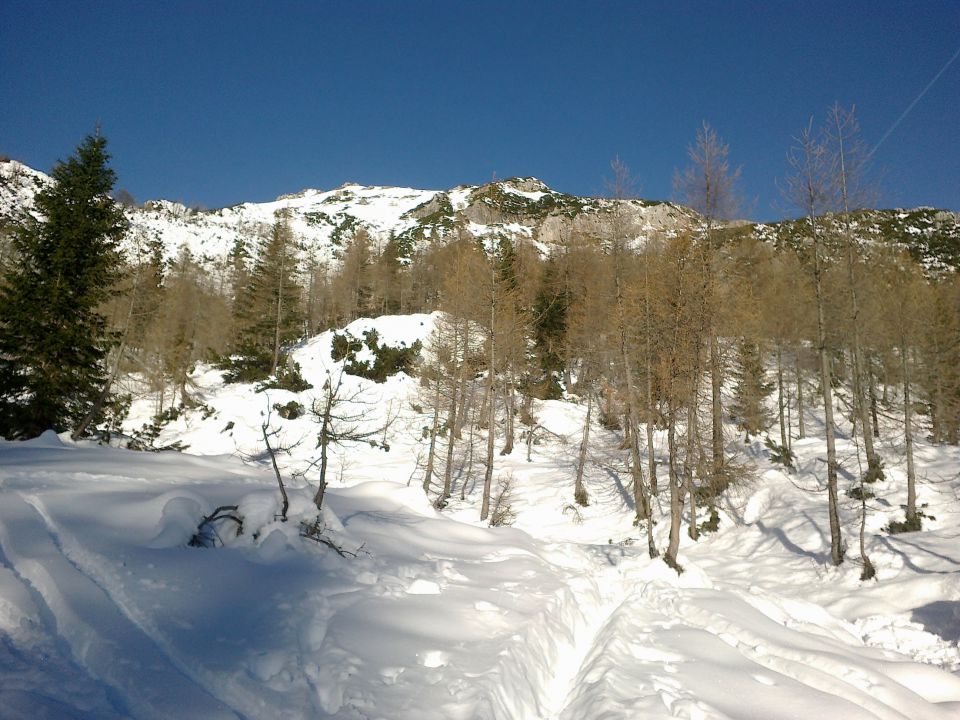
(102,639)
(563,683)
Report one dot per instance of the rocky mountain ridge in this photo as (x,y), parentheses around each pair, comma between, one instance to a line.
(513,208)
(324,220)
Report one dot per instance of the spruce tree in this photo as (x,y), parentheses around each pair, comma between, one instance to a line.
(269,313)
(53,336)
(749,407)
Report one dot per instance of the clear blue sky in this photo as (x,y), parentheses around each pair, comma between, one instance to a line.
(218,102)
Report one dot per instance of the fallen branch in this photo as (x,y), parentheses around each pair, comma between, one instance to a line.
(207,535)
(314,531)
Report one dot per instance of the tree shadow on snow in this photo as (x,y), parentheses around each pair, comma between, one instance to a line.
(820,557)
(941,617)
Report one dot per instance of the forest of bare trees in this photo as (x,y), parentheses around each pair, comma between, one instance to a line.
(688,333)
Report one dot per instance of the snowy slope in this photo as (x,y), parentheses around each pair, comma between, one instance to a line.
(323,221)
(106,613)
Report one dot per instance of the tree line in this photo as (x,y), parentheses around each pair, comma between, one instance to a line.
(675,333)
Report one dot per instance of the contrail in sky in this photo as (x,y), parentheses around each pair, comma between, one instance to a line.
(915,101)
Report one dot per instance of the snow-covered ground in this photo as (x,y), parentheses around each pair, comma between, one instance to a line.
(105,612)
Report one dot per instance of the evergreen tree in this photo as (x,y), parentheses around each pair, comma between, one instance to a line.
(53,337)
(752,389)
(269,311)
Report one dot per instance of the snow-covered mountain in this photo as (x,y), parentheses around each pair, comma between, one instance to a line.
(324,220)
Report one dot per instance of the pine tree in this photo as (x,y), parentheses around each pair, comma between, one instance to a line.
(53,337)
(269,311)
(752,389)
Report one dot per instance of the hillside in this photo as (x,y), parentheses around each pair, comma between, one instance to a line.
(107,612)
(513,208)
(324,220)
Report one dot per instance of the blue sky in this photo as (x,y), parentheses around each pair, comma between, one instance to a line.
(221,102)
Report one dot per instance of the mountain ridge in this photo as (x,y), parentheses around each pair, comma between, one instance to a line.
(511,208)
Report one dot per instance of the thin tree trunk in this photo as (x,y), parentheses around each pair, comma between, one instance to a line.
(780,403)
(872,390)
(648,359)
(873,461)
(716,383)
(491,402)
(836,547)
(324,442)
(868,571)
(452,434)
(276,329)
(508,401)
(431,453)
(908,434)
(640,498)
(462,382)
(285,506)
(801,431)
(471,445)
(688,462)
(673,546)
(579,492)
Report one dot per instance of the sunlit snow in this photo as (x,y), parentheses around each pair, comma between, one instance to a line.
(105,612)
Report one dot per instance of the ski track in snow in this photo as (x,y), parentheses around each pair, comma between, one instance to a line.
(102,639)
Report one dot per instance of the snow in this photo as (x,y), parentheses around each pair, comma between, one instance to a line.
(106,612)
(528,194)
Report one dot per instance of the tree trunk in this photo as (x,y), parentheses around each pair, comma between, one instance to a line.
(872,390)
(451,442)
(285,505)
(324,442)
(640,497)
(276,329)
(471,444)
(780,403)
(579,492)
(801,431)
(836,547)
(673,546)
(688,462)
(491,411)
(908,434)
(508,401)
(648,359)
(431,453)
(716,383)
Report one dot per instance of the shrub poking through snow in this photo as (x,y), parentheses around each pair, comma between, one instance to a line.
(317,531)
(909,524)
(146,437)
(779,454)
(574,512)
(387,360)
(711,524)
(288,377)
(857,494)
(290,411)
(502,513)
(223,523)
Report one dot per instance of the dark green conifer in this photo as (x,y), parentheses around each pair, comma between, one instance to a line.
(53,337)
(749,407)
(269,311)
